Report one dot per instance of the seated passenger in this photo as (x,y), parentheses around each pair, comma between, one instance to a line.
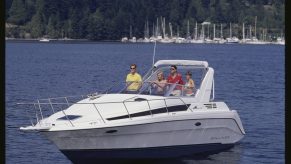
(160,84)
(189,85)
(175,78)
(133,79)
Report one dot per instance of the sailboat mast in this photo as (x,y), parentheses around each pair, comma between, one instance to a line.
(188,29)
(130,32)
(145,30)
(203,34)
(171,33)
(221,35)
(230,35)
(243,32)
(213,31)
(196,31)
(164,27)
(250,31)
(208,31)
(157,28)
(148,31)
(153,29)
(256,27)
(263,37)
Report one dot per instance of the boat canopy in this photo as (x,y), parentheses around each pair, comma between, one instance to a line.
(182,63)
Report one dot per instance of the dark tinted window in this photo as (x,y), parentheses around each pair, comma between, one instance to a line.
(69,117)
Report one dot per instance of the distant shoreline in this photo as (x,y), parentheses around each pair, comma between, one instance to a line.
(86,41)
(58,40)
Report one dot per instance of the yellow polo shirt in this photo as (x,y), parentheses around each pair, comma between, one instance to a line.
(136,79)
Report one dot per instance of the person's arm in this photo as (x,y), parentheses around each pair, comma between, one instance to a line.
(160,84)
(139,81)
(168,79)
(153,84)
(191,84)
(180,79)
(127,80)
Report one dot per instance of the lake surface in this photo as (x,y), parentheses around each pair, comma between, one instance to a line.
(249,78)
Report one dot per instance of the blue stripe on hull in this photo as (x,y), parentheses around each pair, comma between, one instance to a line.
(89,156)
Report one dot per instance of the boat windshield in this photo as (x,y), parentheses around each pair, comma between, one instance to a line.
(151,86)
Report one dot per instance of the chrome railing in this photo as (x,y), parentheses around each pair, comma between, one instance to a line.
(43,108)
(147,88)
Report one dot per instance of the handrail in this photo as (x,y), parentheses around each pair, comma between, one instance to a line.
(82,96)
(166,106)
(29,117)
(61,97)
(99,112)
(51,105)
(185,103)
(100,102)
(36,114)
(67,118)
(40,109)
(67,101)
(127,110)
(150,108)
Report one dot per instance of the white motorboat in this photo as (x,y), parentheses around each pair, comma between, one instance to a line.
(133,39)
(197,41)
(140,124)
(280,41)
(232,40)
(44,40)
(124,39)
(219,40)
(180,40)
(167,40)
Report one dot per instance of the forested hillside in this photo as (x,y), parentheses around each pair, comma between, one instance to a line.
(111,19)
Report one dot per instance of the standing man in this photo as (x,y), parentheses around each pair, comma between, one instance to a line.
(175,78)
(133,79)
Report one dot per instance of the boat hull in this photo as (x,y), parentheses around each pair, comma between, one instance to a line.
(150,140)
(93,155)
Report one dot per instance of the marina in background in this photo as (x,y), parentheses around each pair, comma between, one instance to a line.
(163,33)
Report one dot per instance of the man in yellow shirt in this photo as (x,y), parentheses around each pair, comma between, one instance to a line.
(133,79)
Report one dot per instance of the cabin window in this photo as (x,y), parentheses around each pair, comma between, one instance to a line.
(69,117)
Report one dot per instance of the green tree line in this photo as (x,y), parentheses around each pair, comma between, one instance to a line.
(111,19)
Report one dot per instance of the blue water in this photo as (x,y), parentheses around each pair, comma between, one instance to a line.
(249,78)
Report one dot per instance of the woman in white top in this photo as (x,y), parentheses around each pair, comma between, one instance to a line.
(189,85)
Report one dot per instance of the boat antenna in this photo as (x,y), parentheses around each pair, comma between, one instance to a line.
(154,52)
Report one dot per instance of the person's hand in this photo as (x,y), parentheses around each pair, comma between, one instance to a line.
(152,82)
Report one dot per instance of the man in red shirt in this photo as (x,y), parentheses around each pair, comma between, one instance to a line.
(176,78)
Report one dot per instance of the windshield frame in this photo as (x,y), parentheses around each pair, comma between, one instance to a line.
(147,79)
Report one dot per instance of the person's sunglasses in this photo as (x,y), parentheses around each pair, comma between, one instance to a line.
(132,68)
(173,69)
